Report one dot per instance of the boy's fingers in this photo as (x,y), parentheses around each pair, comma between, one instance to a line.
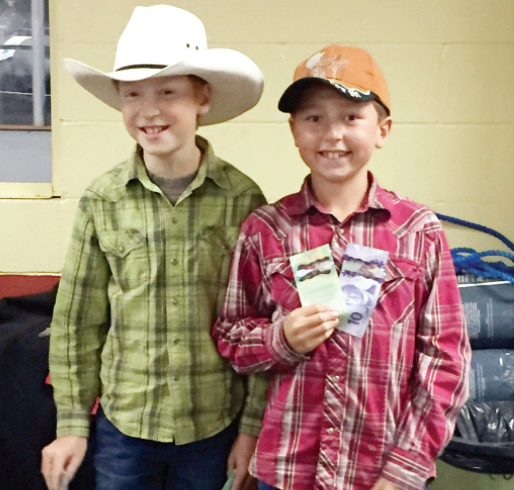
(231,463)
(307,327)
(329,316)
(64,481)
(57,474)
(48,468)
(72,468)
(331,326)
(315,336)
(76,458)
(330,331)
(323,318)
(326,330)
(238,479)
(313,309)
(45,465)
(61,459)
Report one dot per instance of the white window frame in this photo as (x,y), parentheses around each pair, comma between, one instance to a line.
(28,190)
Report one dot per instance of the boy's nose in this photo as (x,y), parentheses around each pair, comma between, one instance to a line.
(150,107)
(335,131)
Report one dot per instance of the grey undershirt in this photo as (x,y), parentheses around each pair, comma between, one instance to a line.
(173,188)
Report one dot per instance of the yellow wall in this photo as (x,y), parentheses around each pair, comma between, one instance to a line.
(450,68)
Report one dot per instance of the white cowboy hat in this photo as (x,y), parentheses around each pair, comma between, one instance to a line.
(163,41)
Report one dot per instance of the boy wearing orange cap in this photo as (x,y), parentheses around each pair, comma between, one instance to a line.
(346,293)
(146,272)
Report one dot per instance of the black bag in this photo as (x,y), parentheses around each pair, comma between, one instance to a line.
(483,441)
(27,409)
(484,438)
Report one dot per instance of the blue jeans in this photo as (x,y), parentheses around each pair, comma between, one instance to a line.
(265,486)
(127,463)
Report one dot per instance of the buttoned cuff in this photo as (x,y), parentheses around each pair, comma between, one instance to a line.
(73,424)
(407,470)
(249,425)
(253,410)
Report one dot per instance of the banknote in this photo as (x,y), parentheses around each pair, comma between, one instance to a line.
(316,278)
(361,278)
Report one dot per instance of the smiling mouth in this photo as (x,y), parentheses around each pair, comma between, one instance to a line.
(153,129)
(334,154)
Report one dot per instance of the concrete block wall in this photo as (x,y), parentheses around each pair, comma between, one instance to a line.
(449,65)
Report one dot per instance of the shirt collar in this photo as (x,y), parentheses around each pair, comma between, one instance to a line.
(300,203)
(211,167)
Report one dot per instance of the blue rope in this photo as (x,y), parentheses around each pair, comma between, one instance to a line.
(468,260)
(478,227)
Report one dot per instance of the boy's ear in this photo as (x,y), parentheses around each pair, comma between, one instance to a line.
(384,128)
(204,96)
(291,122)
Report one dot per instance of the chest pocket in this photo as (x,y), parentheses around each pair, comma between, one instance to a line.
(220,239)
(127,254)
(396,302)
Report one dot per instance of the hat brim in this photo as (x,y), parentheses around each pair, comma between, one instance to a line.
(293,94)
(236,81)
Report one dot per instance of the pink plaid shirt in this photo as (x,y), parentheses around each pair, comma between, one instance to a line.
(353,410)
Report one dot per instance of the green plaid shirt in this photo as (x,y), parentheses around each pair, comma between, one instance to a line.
(142,284)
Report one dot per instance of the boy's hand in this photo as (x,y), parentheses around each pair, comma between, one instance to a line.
(308,326)
(61,460)
(383,484)
(238,461)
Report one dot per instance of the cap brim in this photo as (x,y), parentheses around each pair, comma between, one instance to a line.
(236,81)
(293,94)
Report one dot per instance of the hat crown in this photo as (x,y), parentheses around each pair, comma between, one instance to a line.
(352,67)
(159,35)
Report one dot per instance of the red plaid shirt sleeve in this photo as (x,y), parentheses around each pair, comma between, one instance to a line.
(246,332)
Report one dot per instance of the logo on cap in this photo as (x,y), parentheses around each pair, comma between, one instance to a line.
(322,66)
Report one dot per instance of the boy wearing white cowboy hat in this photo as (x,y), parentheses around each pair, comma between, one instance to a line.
(147,270)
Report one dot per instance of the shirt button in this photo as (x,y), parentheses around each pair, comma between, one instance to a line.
(174,261)
(335,379)
(176,341)
(330,430)
(175,378)
(121,249)
(173,301)
(174,221)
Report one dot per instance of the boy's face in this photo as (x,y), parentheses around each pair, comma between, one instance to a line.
(161,113)
(337,136)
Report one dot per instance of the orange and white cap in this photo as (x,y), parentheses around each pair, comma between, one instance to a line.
(349,70)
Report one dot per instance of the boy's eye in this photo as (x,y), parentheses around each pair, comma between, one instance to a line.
(352,117)
(129,95)
(313,118)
